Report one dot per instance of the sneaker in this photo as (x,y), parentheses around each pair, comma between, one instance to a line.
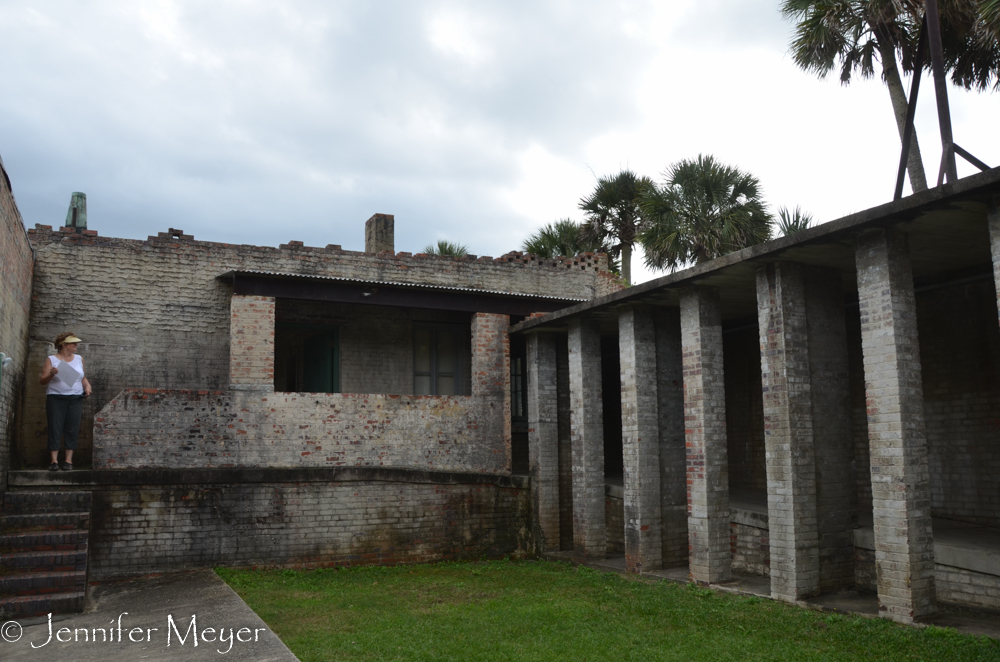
(54,466)
(66,466)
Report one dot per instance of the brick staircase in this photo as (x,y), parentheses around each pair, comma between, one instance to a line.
(43,552)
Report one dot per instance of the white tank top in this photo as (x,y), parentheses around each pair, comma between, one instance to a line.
(57,387)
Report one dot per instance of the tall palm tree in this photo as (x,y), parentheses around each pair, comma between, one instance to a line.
(449,248)
(564,238)
(703,210)
(971,40)
(613,216)
(854,33)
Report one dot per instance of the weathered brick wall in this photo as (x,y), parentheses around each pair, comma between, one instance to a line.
(304,524)
(614,518)
(16,265)
(751,548)
(152,314)
(961,378)
(205,429)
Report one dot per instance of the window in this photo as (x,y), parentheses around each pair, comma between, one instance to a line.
(437,364)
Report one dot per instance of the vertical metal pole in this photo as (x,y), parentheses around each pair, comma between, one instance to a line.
(941,90)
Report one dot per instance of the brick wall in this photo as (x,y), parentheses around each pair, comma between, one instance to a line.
(961,378)
(152,314)
(16,266)
(251,342)
(301,524)
(203,429)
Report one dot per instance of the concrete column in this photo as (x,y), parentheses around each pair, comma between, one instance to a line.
(543,439)
(709,559)
(993,218)
(587,432)
(640,440)
(251,342)
(788,432)
(904,556)
(673,454)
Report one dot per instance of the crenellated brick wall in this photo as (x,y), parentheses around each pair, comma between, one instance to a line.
(16,266)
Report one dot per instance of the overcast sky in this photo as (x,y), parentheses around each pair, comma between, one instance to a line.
(264,122)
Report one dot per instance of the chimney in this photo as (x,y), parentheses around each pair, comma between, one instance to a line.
(76,217)
(379,232)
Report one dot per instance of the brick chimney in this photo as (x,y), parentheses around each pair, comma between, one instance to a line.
(379,231)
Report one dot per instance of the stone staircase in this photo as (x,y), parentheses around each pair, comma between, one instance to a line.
(43,552)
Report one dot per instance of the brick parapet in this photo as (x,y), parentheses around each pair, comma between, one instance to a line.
(896,431)
(149,428)
(710,558)
(640,440)
(543,439)
(788,425)
(587,433)
(251,344)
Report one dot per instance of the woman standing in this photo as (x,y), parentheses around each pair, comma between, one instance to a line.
(64,397)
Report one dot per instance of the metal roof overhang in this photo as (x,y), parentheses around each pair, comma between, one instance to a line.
(948,237)
(387,293)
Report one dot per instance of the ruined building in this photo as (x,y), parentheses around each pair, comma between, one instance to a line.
(822,410)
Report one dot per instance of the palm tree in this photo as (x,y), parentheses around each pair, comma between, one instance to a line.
(971,40)
(442,247)
(613,217)
(855,32)
(790,221)
(564,238)
(703,210)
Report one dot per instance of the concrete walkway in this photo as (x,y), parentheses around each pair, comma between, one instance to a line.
(150,603)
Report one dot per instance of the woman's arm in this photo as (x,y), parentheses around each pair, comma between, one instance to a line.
(86,385)
(48,372)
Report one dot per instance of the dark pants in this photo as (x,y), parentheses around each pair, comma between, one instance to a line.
(63,413)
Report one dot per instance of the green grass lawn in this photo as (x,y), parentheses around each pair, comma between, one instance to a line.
(539,610)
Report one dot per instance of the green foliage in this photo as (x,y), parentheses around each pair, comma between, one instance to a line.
(790,221)
(613,217)
(703,210)
(442,247)
(564,238)
(853,35)
(551,611)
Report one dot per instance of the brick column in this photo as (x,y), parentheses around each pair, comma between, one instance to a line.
(788,432)
(543,439)
(251,342)
(709,555)
(491,366)
(904,556)
(587,432)
(993,219)
(640,440)
(673,454)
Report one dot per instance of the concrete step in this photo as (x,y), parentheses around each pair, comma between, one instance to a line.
(44,541)
(43,562)
(43,522)
(35,583)
(42,604)
(35,502)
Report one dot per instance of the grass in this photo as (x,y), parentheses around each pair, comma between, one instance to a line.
(538,610)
